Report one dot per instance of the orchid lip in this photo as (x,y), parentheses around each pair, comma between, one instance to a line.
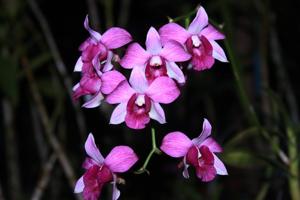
(196,41)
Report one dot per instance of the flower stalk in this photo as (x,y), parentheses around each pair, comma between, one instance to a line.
(154,150)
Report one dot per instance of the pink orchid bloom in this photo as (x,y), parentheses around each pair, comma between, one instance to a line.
(199,40)
(139,101)
(100,170)
(95,63)
(157,60)
(198,152)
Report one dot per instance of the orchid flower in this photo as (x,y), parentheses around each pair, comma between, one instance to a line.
(156,60)
(100,170)
(199,40)
(139,101)
(198,152)
(95,62)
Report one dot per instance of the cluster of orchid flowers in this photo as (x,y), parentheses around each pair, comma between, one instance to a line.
(156,75)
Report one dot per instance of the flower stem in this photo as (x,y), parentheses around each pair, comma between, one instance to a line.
(154,149)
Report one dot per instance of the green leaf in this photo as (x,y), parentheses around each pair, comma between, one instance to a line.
(241,159)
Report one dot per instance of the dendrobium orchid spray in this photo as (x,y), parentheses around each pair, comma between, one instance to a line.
(156,78)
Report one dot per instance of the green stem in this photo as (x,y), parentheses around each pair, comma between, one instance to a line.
(154,149)
(294,164)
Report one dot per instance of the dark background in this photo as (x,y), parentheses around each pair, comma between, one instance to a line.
(261,156)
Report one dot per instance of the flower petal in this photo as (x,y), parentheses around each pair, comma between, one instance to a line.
(121,159)
(218,52)
(176,144)
(175,72)
(115,37)
(119,113)
(121,94)
(79,185)
(212,145)
(94,34)
(135,56)
(200,21)
(211,33)
(92,150)
(153,43)
(78,65)
(138,80)
(206,131)
(174,51)
(137,121)
(185,172)
(163,90)
(173,31)
(110,80)
(108,65)
(94,101)
(116,193)
(220,167)
(157,113)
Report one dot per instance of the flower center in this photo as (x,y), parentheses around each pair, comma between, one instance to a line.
(155,67)
(196,41)
(139,104)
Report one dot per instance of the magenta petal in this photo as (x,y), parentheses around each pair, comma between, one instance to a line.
(173,31)
(92,150)
(78,65)
(110,80)
(174,51)
(218,52)
(220,167)
(121,159)
(163,90)
(206,173)
(176,144)
(200,21)
(108,65)
(95,35)
(175,72)
(153,43)
(211,33)
(138,80)
(88,163)
(115,37)
(119,113)
(157,113)
(94,101)
(135,56)
(79,185)
(121,94)
(212,145)
(136,121)
(206,131)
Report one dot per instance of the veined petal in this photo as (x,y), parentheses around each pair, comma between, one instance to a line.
(174,51)
(153,43)
(200,21)
(206,131)
(119,113)
(115,37)
(175,72)
(211,33)
(157,113)
(79,185)
(110,80)
(135,56)
(176,144)
(121,94)
(94,101)
(121,159)
(218,52)
(92,150)
(173,31)
(94,34)
(138,80)
(219,165)
(163,90)
(116,192)
(78,65)
(212,145)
